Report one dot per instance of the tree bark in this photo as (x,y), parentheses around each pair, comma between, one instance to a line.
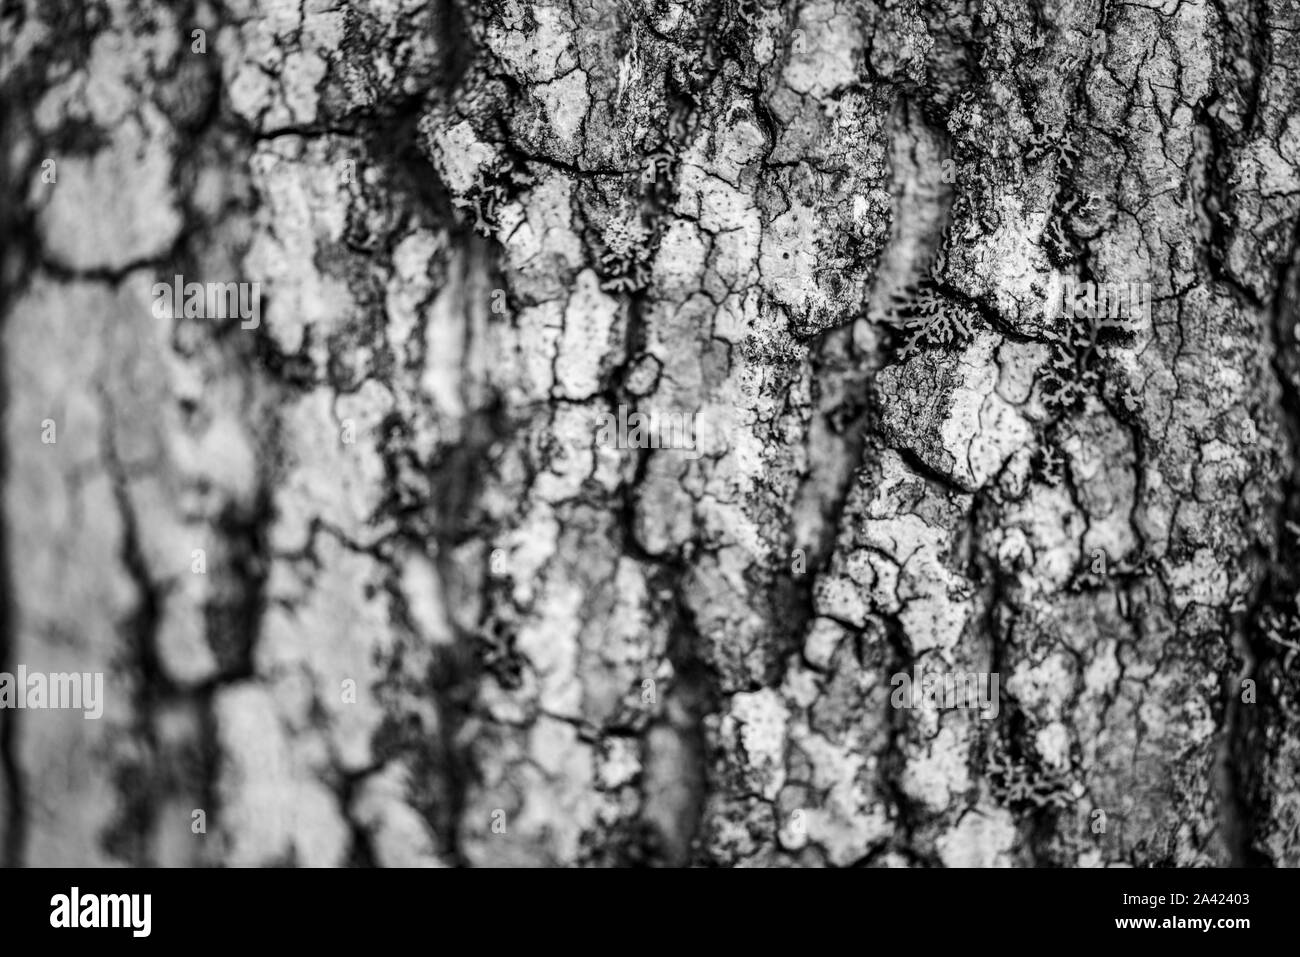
(367,583)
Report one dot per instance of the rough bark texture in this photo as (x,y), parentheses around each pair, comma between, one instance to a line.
(477,227)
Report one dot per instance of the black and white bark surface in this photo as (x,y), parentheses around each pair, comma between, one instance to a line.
(437,621)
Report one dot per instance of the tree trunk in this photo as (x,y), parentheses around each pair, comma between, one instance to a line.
(385,571)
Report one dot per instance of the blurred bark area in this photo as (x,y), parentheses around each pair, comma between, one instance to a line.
(365,586)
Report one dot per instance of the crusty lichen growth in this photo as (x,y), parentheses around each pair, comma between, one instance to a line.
(443,624)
